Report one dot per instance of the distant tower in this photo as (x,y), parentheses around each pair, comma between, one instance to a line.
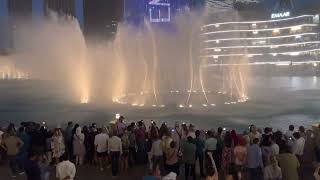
(283,5)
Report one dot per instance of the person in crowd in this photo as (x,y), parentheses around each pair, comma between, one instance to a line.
(235,139)
(255,163)
(200,145)
(274,148)
(172,159)
(78,146)
(289,133)
(125,151)
(211,146)
(254,133)
(65,170)
(156,151)
(101,147)
(219,147)
(87,144)
(316,173)
(2,151)
(289,164)
(115,150)
(44,165)
(240,154)
(68,139)
(12,145)
(272,171)
(32,168)
(227,153)
(166,140)
(298,145)
(23,152)
(212,172)
(189,158)
(120,126)
(132,144)
(184,131)
(302,132)
(141,135)
(191,131)
(57,145)
(92,135)
(176,134)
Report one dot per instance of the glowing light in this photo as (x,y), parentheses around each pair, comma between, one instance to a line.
(274,54)
(154,105)
(226,103)
(257,22)
(217,25)
(134,104)
(177,91)
(315,64)
(233,102)
(204,105)
(254,25)
(215,57)
(217,41)
(217,50)
(298,36)
(296,28)
(212,104)
(257,38)
(190,106)
(255,31)
(276,31)
(162,105)
(84,99)
(141,105)
(117,116)
(194,91)
(181,106)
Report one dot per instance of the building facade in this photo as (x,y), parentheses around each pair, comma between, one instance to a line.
(281,37)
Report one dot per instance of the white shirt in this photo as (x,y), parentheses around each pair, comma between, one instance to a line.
(271,173)
(114,144)
(156,149)
(274,149)
(211,144)
(64,169)
(298,146)
(101,142)
(289,134)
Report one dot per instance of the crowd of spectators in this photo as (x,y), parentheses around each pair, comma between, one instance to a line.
(167,152)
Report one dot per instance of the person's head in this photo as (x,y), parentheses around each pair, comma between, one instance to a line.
(291,128)
(173,144)
(220,130)
(301,129)
(64,157)
(21,129)
(197,133)
(273,161)
(99,130)
(255,141)
(70,124)
(189,139)
(209,134)
(296,135)
(121,118)
(184,127)
(242,141)
(191,127)
(57,132)
(253,128)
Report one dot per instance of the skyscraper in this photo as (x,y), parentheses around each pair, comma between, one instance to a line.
(101,18)
(4,22)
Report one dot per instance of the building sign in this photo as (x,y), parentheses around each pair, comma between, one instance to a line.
(159,11)
(280,15)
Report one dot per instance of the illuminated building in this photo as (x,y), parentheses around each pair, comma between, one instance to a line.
(283,36)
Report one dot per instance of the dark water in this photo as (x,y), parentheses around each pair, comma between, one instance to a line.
(276,102)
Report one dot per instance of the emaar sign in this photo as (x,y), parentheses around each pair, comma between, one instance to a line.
(280,15)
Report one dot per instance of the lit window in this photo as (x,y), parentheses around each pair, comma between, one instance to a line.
(217,25)
(217,41)
(254,25)
(215,57)
(217,50)
(255,32)
(296,28)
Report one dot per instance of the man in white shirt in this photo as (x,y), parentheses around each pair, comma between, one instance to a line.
(65,170)
(289,134)
(115,150)
(298,145)
(101,145)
